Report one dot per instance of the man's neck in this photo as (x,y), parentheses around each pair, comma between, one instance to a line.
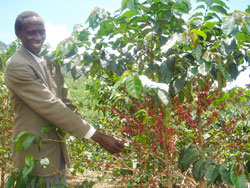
(37,55)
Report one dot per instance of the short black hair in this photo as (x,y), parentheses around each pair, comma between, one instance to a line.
(21,17)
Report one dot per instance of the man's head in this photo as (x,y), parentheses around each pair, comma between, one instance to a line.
(30,29)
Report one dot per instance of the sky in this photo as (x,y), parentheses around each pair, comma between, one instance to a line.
(60,16)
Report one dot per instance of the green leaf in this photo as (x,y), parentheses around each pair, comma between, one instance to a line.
(208,66)
(28,141)
(211,173)
(48,128)
(200,7)
(29,160)
(247,23)
(220,80)
(242,38)
(224,72)
(125,172)
(248,166)
(19,143)
(210,25)
(165,70)
(120,81)
(20,135)
(191,155)
(106,28)
(128,14)
(181,155)
(76,72)
(187,94)
(171,42)
(198,169)
(181,7)
(212,15)
(27,170)
(204,67)
(197,51)
(41,183)
(209,2)
(94,69)
(134,86)
(10,182)
(194,70)
(29,165)
(228,25)
(34,181)
(199,32)
(88,58)
(132,5)
(179,83)
(124,4)
(248,9)
(233,69)
(196,15)
(163,96)
(59,48)
(164,1)
(202,83)
(219,2)
(238,181)
(87,184)
(225,175)
(195,40)
(113,66)
(62,177)
(219,9)
(228,45)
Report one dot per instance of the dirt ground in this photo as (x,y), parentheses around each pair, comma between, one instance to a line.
(108,183)
(91,176)
(105,183)
(188,182)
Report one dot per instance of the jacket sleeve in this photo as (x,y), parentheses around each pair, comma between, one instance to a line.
(22,80)
(66,97)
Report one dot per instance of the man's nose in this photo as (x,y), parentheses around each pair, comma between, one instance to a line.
(38,36)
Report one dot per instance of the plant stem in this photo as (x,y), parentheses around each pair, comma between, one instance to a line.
(3,161)
(200,129)
(163,132)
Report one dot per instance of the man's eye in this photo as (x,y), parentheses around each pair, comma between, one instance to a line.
(42,32)
(34,33)
(30,33)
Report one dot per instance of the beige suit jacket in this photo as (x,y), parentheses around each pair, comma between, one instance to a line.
(38,102)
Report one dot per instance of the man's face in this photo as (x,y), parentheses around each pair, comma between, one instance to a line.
(32,34)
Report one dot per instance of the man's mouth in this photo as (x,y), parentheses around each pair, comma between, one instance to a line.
(37,45)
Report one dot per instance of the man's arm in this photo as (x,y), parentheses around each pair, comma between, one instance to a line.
(107,142)
(22,80)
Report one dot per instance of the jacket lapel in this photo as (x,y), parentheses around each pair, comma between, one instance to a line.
(35,64)
(47,74)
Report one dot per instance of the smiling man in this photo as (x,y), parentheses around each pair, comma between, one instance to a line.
(40,97)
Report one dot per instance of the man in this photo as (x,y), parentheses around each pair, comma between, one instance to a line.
(40,97)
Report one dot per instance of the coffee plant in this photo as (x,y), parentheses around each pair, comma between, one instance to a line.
(6,118)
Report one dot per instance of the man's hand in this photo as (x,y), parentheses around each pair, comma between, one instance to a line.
(109,143)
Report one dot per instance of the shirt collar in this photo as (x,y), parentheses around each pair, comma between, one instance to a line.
(38,59)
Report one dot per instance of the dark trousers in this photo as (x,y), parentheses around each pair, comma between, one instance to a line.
(57,179)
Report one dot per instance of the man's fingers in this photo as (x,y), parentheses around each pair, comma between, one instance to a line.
(118,146)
